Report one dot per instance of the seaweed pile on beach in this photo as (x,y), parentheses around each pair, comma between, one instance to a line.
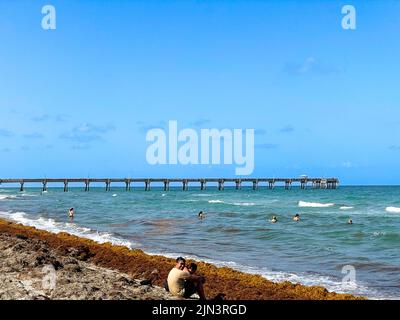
(85,269)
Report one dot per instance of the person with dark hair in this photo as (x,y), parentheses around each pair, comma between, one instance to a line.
(201,215)
(296,217)
(192,268)
(184,284)
(181,262)
(71,213)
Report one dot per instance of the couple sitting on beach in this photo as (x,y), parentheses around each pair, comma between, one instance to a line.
(183,282)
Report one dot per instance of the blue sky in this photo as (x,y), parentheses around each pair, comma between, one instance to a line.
(77,101)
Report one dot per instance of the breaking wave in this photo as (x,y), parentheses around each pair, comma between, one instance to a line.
(393,209)
(314,204)
(245,204)
(56,227)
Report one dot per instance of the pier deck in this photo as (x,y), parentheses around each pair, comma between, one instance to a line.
(315,183)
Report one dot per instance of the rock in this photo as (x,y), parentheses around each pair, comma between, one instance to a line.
(126,281)
(81,253)
(76,268)
(57,264)
(18,247)
(146,282)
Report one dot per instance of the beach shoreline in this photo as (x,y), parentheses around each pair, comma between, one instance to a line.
(119,262)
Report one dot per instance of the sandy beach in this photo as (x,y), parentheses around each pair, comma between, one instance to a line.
(85,270)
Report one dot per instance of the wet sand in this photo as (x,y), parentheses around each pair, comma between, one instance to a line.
(85,269)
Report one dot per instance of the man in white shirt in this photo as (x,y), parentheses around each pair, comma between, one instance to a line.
(182,283)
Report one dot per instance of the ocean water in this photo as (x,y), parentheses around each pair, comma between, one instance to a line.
(237,232)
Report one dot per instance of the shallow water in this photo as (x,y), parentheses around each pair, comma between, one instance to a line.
(236,231)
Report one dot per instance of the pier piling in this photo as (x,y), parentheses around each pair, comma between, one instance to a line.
(238,184)
(271,184)
(127,185)
(147,185)
(221,184)
(166,185)
(255,184)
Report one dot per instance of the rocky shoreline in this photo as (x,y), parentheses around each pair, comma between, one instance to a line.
(36,264)
(30,269)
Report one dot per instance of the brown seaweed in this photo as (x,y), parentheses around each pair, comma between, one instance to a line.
(234,284)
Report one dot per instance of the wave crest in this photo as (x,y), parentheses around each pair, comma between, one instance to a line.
(345,208)
(215,201)
(315,204)
(6,197)
(245,204)
(393,209)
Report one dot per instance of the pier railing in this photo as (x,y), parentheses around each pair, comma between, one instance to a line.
(304,183)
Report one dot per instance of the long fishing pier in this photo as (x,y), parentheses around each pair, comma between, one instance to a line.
(304,183)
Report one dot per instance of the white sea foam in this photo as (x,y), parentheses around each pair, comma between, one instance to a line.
(188,200)
(114,195)
(6,196)
(345,208)
(393,209)
(245,204)
(51,225)
(315,204)
(29,195)
(215,201)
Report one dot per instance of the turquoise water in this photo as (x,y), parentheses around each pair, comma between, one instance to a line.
(237,232)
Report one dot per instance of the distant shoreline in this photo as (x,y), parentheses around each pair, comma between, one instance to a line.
(236,285)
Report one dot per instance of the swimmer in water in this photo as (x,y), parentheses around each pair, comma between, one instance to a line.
(350,221)
(274,219)
(71,213)
(201,215)
(296,217)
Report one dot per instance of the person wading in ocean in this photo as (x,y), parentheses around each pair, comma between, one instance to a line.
(71,213)
(201,215)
